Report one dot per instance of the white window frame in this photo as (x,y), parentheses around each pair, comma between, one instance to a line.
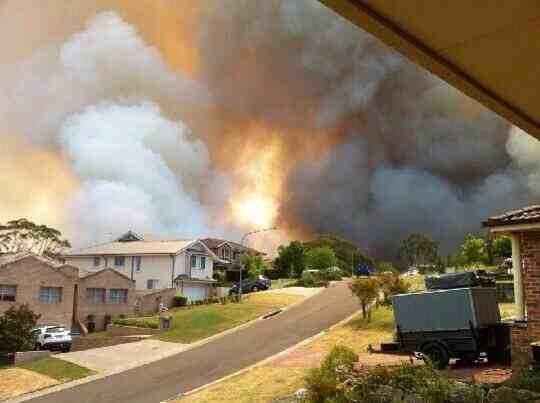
(202,259)
(97,261)
(118,295)
(193,261)
(47,296)
(92,299)
(7,291)
(154,282)
(117,261)
(137,261)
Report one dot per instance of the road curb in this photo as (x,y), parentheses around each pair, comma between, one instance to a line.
(265,361)
(102,375)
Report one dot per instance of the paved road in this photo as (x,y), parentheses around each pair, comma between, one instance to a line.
(188,370)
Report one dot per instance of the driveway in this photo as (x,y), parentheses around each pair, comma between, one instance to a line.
(121,357)
(161,380)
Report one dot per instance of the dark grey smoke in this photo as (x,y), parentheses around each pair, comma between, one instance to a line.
(414,155)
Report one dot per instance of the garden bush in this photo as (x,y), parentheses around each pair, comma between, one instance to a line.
(337,380)
(179,300)
(147,323)
(322,383)
(528,380)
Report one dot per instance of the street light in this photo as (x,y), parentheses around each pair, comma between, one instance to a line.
(242,240)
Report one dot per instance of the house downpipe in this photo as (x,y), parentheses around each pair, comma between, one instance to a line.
(517,269)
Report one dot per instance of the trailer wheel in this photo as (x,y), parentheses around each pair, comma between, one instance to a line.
(437,355)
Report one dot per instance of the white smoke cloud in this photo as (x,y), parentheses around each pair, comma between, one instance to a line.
(121,144)
(112,106)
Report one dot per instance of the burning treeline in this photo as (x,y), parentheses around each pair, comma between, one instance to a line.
(222,116)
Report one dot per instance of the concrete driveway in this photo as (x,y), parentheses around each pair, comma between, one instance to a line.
(121,357)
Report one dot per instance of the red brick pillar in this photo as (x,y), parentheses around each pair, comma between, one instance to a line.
(526,332)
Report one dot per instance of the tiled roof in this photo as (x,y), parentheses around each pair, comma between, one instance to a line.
(166,247)
(213,243)
(525,215)
(14,257)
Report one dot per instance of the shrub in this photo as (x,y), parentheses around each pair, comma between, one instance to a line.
(322,383)
(527,379)
(390,285)
(367,291)
(332,274)
(312,279)
(179,300)
(147,323)
(16,326)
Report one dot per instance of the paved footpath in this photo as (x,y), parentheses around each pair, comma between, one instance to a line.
(161,380)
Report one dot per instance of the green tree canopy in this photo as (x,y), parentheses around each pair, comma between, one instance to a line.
(24,235)
(254,264)
(473,251)
(321,258)
(347,253)
(502,246)
(419,249)
(291,260)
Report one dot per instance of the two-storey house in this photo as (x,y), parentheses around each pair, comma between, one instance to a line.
(153,264)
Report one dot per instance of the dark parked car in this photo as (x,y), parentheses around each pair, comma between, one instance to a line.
(251,285)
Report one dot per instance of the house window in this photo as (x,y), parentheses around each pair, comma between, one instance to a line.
(8,292)
(137,263)
(95,295)
(193,261)
(97,261)
(50,295)
(203,262)
(152,284)
(118,296)
(119,261)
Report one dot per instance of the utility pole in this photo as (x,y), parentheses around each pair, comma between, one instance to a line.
(242,241)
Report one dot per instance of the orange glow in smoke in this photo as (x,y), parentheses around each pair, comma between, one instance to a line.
(260,172)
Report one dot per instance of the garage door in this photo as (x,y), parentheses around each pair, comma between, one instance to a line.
(195,292)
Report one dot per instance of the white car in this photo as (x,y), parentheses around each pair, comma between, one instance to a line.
(52,337)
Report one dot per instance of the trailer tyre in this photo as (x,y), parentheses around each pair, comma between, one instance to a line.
(437,355)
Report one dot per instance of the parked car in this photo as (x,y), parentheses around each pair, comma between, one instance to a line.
(251,285)
(52,337)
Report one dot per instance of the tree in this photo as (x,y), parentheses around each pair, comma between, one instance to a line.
(16,326)
(386,267)
(321,258)
(291,260)
(502,246)
(347,253)
(473,251)
(254,264)
(367,290)
(390,285)
(419,249)
(24,235)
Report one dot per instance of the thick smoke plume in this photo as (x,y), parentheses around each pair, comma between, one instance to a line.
(221,116)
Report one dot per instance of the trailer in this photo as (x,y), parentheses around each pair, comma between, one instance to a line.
(460,323)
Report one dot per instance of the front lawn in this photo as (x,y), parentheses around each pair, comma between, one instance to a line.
(199,322)
(62,371)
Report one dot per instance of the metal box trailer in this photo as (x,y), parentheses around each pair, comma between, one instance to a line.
(453,323)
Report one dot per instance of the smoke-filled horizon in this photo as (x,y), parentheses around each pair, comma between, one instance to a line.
(217,117)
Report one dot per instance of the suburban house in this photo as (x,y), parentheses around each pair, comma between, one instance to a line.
(63,294)
(186,265)
(523,227)
(229,253)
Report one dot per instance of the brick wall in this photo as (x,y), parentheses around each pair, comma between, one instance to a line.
(525,333)
(29,274)
(148,303)
(107,280)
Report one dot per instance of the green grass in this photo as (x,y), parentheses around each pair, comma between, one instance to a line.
(60,370)
(190,325)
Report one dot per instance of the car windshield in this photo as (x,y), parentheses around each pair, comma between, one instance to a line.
(56,329)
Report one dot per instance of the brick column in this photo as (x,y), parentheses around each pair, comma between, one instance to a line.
(528,331)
